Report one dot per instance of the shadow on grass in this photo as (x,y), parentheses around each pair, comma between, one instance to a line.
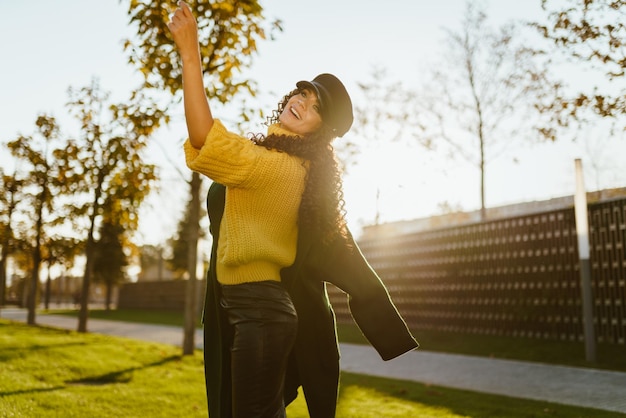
(8,352)
(463,402)
(120,376)
(5,394)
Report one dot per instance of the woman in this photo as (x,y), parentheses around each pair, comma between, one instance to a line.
(276,212)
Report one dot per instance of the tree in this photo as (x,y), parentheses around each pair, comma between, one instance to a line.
(591,34)
(43,160)
(60,251)
(386,111)
(178,262)
(482,94)
(109,258)
(12,187)
(105,165)
(228,33)
(22,261)
(385,114)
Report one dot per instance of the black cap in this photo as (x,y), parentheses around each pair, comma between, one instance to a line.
(336,106)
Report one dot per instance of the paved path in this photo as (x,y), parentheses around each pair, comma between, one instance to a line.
(559,384)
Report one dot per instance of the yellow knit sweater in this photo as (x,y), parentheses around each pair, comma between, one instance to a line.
(258,233)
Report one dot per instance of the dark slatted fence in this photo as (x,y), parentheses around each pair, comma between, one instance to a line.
(514,277)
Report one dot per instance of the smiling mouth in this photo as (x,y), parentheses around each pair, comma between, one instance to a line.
(295,112)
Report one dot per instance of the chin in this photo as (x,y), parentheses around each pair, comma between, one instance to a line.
(289,126)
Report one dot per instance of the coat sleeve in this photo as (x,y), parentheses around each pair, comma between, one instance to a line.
(370,304)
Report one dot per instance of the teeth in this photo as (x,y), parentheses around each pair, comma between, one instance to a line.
(295,112)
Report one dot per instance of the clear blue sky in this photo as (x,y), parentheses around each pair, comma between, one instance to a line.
(48,46)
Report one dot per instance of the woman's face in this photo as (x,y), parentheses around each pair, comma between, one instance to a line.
(302,113)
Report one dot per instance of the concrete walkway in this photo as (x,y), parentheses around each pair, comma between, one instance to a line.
(559,384)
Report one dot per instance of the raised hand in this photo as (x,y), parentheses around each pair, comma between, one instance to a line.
(198,115)
(184,30)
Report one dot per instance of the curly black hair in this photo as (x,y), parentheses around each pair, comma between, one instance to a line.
(322,207)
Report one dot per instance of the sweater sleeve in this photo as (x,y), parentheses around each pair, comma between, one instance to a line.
(370,303)
(225,157)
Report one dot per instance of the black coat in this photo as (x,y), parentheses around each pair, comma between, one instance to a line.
(314,361)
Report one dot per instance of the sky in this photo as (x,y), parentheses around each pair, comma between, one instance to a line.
(49,46)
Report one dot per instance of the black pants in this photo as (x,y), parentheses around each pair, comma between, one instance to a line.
(264,324)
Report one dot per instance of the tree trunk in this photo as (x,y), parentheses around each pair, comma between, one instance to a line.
(8,238)
(3,278)
(84,298)
(47,292)
(481,137)
(31,300)
(109,292)
(34,283)
(192,262)
(3,264)
(84,295)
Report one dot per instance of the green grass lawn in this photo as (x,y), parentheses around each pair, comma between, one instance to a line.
(47,372)
(610,356)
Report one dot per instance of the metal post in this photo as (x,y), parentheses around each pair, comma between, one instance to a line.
(582,232)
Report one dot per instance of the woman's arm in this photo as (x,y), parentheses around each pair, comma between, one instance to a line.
(197,111)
